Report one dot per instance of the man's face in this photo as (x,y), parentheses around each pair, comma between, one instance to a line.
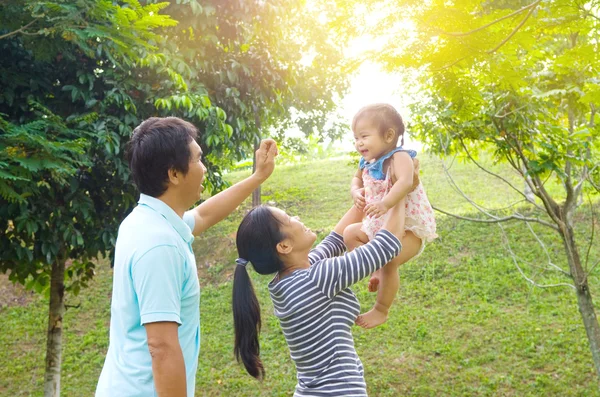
(192,181)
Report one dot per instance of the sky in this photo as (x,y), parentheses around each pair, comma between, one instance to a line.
(371,85)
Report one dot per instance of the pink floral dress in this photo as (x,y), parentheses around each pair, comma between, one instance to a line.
(419,213)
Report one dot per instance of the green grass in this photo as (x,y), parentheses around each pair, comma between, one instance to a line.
(465,322)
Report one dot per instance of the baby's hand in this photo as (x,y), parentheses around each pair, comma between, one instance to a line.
(358,196)
(376,209)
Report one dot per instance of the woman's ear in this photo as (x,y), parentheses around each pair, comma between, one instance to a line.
(284,247)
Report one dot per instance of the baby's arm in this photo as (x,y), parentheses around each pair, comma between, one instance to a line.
(404,171)
(358,191)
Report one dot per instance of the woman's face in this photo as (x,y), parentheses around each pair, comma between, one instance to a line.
(301,237)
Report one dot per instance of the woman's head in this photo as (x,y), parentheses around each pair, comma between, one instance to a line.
(266,238)
(268,235)
(377,129)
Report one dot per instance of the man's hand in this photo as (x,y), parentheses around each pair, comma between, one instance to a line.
(265,158)
(216,208)
(376,209)
(358,196)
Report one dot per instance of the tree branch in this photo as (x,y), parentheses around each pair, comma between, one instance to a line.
(496,175)
(20,30)
(571,199)
(587,256)
(460,34)
(514,258)
(495,219)
(541,243)
(587,172)
(536,184)
(448,66)
(593,183)
(591,270)
(509,113)
(516,29)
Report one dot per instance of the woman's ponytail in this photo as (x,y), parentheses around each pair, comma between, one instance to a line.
(246,321)
(256,241)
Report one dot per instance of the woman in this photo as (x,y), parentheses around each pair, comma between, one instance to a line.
(310,293)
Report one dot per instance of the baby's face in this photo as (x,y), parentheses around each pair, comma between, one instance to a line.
(369,142)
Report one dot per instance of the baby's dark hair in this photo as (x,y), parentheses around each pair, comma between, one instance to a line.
(383,117)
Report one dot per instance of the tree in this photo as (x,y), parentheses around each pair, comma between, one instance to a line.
(267,64)
(63,184)
(76,78)
(519,81)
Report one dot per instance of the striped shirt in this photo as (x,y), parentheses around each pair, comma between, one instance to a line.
(316,310)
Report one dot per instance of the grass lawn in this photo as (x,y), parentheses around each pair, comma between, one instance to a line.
(465,322)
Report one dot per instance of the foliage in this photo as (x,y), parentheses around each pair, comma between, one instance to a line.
(64,115)
(501,75)
(251,59)
(78,77)
(517,80)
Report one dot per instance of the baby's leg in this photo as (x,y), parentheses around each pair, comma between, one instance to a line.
(390,281)
(354,237)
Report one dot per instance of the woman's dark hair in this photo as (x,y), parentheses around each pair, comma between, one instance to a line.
(383,117)
(257,239)
(156,146)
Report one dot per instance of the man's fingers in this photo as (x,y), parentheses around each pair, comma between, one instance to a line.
(268,145)
(267,150)
(273,149)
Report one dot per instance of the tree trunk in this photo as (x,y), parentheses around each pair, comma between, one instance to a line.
(584,298)
(54,337)
(256,193)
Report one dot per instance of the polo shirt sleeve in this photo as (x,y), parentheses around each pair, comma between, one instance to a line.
(188,218)
(158,278)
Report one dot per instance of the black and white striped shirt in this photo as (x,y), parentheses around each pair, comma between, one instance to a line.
(316,310)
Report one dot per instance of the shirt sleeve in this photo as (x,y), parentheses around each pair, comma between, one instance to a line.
(158,278)
(335,274)
(188,218)
(332,245)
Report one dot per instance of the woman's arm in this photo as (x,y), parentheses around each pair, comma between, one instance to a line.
(333,244)
(333,275)
(336,274)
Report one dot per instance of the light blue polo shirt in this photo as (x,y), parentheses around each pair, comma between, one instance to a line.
(154,279)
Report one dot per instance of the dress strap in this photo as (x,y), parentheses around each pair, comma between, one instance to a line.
(375,169)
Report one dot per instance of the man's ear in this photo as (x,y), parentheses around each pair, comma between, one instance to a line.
(174,176)
(284,247)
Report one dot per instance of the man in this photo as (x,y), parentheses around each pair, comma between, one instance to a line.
(155,314)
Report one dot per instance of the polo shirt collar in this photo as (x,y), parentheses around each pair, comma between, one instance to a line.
(171,216)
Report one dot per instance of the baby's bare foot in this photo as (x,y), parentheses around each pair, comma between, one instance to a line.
(371,319)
